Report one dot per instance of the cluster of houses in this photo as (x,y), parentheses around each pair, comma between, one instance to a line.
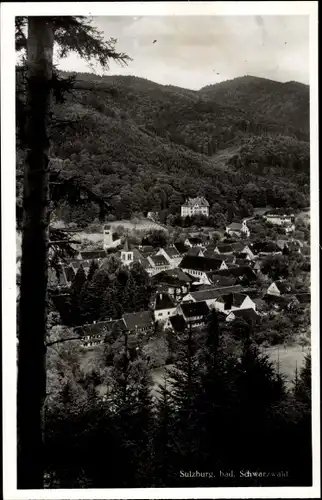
(191,278)
(200,206)
(285,221)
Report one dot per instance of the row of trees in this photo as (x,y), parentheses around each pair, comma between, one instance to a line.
(220,409)
(105,294)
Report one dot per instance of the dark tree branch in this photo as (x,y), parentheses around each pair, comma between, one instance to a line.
(60,341)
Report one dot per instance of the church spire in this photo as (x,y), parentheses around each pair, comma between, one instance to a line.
(126,247)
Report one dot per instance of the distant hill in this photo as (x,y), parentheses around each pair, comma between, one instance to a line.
(149,146)
(286,105)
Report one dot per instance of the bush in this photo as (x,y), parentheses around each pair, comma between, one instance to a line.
(156,351)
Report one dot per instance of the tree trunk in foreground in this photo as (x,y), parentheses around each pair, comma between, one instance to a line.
(32,322)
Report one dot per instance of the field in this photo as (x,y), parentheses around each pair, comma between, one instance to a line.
(289,358)
(139,225)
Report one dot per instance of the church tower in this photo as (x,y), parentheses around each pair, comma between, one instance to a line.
(107,237)
(127,256)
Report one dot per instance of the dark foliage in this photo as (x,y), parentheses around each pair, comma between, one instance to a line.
(146,147)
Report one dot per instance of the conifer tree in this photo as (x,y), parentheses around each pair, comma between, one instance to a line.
(164,469)
(94,297)
(185,386)
(142,428)
(132,406)
(260,390)
(92,270)
(76,291)
(71,34)
(302,390)
(215,404)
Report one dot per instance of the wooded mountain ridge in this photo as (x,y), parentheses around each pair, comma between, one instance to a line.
(146,146)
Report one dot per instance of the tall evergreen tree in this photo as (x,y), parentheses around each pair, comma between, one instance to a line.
(164,467)
(185,381)
(92,270)
(216,401)
(260,390)
(76,292)
(303,389)
(71,34)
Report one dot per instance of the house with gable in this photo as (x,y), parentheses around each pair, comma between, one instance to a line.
(163,307)
(139,322)
(180,247)
(196,252)
(94,334)
(242,255)
(279,287)
(198,267)
(157,263)
(172,255)
(174,282)
(210,295)
(175,324)
(237,246)
(224,248)
(249,251)
(225,257)
(249,315)
(238,229)
(194,313)
(233,301)
(192,242)
(195,206)
(242,274)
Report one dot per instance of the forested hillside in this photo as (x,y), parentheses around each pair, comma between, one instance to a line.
(145,146)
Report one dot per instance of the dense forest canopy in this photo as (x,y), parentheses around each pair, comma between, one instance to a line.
(146,147)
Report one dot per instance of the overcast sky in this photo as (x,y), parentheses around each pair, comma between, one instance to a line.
(192,51)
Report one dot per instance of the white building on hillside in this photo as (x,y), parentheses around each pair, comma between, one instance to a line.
(238,229)
(195,206)
(108,241)
(286,221)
